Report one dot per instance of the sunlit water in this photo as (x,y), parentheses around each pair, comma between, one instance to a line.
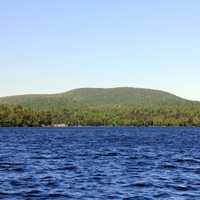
(100,163)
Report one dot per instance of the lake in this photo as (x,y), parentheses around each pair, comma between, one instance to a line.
(100,163)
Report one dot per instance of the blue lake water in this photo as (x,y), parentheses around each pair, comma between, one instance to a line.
(100,163)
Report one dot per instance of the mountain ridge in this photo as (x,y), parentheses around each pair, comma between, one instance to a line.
(97,97)
(92,88)
(123,106)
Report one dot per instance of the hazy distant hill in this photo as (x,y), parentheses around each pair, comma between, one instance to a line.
(98,98)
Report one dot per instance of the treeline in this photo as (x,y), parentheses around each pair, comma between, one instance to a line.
(19,116)
(127,116)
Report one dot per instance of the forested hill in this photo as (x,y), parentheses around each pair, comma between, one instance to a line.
(89,106)
(97,98)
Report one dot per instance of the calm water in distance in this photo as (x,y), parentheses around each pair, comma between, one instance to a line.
(100,163)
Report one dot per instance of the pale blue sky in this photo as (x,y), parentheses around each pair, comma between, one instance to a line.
(49,46)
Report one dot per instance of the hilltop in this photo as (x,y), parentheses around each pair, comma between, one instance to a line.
(97,98)
(99,106)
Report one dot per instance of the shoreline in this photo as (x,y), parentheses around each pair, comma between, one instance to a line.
(109,126)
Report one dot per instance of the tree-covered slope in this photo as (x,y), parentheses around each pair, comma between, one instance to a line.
(97,98)
(88,106)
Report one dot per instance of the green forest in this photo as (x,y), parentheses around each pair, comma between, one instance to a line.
(100,107)
(19,116)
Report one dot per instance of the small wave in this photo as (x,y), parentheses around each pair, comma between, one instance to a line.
(110,154)
(4,193)
(69,168)
(133,157)
(181,188)
(162,195)
(58,195)
(32,193)
(187,160)
(17,167)
(168,166)
(15,183)
(138,198)
(140,184)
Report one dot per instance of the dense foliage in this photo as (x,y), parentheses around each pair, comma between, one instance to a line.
(19,116)
(135,116)
(117,106)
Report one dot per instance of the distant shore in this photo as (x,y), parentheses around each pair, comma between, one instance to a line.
(101,126)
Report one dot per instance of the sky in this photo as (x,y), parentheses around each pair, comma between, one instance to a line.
(49,46)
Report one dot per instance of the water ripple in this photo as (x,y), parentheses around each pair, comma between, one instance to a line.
(99,163)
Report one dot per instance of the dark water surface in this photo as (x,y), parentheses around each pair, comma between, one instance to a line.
(100,163)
